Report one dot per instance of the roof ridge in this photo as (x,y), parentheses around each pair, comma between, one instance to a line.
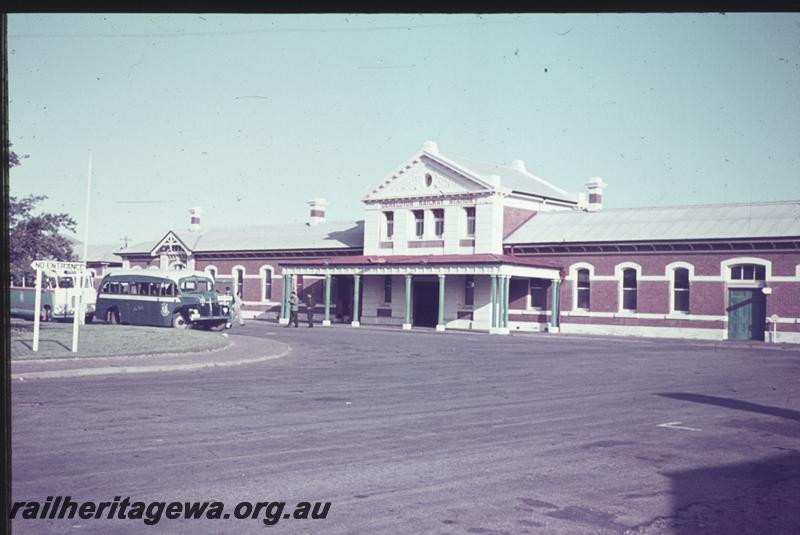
(511,168)
(674,207)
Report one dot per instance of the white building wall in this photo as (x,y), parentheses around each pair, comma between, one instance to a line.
(373,221)
(373,298)
(401,230)
(453,229)
(489,225)
(482,311)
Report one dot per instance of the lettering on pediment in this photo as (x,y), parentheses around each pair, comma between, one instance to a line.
(464,199)
(425,178)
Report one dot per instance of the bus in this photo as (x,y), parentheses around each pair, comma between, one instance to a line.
(165,298)
(59,297)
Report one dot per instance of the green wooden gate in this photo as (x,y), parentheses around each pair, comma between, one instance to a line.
(746,314)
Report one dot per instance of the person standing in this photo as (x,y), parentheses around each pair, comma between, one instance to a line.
(237,307)
(310,304)
(228,300)
(294,305)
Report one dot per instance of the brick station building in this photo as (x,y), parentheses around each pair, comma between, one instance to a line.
(451,243)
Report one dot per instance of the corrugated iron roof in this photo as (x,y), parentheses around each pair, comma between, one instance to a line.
(95,253)
(699,222)
(404,260)
(329,235)
(514,179)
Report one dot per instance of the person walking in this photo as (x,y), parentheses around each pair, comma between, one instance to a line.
(294,303)
(228,300)
(237,306)
(310,304)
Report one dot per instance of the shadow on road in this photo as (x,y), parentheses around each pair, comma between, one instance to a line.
(735,404)
(754,497)
(29,343)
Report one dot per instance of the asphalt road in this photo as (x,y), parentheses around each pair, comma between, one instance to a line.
(432,433)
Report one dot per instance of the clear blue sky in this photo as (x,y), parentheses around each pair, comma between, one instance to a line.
(250,116)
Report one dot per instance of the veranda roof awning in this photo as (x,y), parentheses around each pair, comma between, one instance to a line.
(477,264)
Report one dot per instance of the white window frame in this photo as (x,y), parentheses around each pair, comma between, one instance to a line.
(235,279)
(619,270)
(262,276)
(385,225)
(573,278)
(670,273)
(414,220)
(466,221)
(436,220)
(729,263)
(208,269)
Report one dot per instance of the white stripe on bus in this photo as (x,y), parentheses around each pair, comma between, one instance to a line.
(141,298)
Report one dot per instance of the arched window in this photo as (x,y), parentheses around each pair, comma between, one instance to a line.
(680,290)
(629,289)
(748,272)
(238,280)
(584,289)
(266,283)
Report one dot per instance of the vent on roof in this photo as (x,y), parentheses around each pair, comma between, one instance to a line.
(519,165)
(430,147)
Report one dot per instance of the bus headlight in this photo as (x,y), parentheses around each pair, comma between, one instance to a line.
(224,310)
(194,313)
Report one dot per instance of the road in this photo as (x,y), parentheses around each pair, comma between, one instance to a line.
(434,433)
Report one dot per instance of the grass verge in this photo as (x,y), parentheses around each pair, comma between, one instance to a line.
(102,340)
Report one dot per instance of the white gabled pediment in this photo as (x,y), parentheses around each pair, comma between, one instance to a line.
(170,244)
(427,175)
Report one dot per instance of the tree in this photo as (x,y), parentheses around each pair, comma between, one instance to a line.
(35,236)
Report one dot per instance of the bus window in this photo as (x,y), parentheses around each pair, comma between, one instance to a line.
(66,282)
(143,288)
(134,288)
(196,285)
(188,285)
(124,288)
(167,289)
(154,288)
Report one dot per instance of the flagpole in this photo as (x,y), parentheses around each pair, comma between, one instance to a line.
(79,314)
(86,220)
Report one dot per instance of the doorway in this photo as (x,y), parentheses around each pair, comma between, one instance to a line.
(426,303)
(342,297)
(747,313)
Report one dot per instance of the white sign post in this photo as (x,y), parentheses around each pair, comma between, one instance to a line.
(37,306)
(59,268)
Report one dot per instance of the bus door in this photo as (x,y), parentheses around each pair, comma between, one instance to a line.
(166,303)
(141,304)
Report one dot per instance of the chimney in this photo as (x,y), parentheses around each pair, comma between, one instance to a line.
(317,211)
(595,186)
(430,147)
(194,221)
(519,165)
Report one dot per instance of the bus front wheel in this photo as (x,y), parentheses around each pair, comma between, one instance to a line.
(178,321)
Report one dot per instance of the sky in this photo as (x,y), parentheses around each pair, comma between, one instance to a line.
(249,116)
